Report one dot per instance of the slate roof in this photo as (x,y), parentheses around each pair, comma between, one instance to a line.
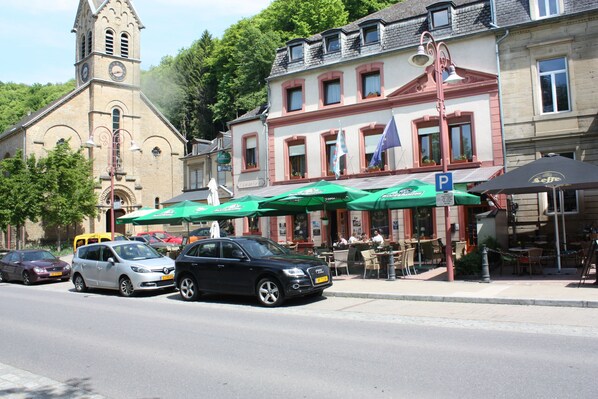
(404,22)
(517,12)
(255,113)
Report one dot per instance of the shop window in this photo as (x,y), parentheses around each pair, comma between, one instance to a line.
(379,220)
(300,225)
(422,223)
(570,201)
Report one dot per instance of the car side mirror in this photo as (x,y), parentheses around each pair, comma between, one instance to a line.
(237,253)
(110,260)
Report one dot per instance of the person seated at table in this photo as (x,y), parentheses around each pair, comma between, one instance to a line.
(364,237)
(341,243)
(354,239)
(377,238)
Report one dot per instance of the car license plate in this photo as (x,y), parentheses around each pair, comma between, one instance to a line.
(168,277)
(54,274)
(323,279)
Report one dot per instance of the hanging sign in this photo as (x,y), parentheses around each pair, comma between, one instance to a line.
(223,158)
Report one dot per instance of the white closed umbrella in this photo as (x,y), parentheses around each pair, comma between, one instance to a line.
(214,199)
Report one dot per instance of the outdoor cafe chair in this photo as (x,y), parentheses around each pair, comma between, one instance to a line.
(533,258)
(408,260)
(460,248)
(370,262)
(340,260)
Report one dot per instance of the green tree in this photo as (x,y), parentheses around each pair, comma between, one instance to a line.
(360,8)
(68,188)
(241,63)
(18,100)
(20,191)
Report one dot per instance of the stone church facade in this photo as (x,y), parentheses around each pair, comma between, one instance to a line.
(107,108)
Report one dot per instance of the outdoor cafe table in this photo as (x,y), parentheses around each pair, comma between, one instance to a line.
(385,255)
(521,252)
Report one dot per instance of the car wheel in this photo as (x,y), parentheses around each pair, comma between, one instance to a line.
(269,292)
(26,279)
(188,289)
(125,287)
(79,283)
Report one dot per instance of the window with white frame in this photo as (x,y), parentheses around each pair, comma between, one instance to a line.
(554,85)
(297,161)
(370,84)
(294,99)
(370,34)
(333,43)
(548,8)
(251,152)
(371,141)
(569,203)
(196,177)
(332,92)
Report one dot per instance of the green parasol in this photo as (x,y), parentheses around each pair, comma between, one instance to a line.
(176,214)
(321,195)
(128,218)
(247,206)
(411,194)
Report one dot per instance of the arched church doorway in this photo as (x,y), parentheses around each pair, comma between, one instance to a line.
(118,212)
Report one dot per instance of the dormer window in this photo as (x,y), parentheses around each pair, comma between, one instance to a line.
(548,8)
(440,14)
(296,52)
(440,18)
(333,44)
(370,34)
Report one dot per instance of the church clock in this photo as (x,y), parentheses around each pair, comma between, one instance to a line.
(117,71)
(84,72)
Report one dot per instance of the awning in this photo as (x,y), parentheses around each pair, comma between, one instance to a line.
(460,176)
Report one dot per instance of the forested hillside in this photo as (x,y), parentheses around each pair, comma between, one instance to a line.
(214,80)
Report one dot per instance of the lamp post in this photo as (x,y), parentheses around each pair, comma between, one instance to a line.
(437,53)
(114,138)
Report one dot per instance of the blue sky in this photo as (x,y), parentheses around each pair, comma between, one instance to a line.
(37,45)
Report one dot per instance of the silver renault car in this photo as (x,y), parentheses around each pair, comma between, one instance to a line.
(126,266)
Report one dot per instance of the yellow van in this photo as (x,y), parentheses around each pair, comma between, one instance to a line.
(92,238)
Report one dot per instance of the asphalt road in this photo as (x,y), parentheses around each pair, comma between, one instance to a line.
(156,346)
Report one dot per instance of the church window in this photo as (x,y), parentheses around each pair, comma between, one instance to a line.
(116,138)
(124,45)
(109,42)
(82,46)
(89,42)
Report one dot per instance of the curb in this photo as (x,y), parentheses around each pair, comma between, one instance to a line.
(572,303)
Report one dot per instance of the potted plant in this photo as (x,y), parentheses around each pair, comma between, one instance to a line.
(428,162)
(324,220)
(296,175)
(460,159)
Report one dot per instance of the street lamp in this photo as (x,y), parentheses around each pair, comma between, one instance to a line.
(114,137)
(437,53)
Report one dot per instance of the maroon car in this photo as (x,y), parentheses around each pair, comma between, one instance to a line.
(32,266)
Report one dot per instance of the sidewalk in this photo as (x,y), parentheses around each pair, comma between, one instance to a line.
(507,289)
